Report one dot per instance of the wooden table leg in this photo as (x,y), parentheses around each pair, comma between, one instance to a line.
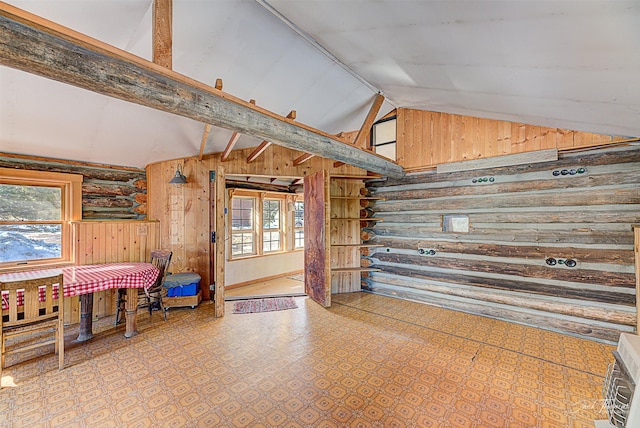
(86,317)
(131,309)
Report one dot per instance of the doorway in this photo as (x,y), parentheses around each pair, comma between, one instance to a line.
(264,251)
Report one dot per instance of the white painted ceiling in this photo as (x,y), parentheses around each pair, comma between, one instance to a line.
(567,64)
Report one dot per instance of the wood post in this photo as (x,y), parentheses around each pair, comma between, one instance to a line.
(636,248)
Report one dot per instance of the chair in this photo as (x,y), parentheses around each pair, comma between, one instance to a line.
(30,309)
(154,294)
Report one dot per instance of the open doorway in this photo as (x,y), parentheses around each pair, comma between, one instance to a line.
(264,251)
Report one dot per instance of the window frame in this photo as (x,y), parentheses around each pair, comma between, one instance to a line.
(286,222)
(295,228)
(374,142)
(71,210)
(279,230)
(253,229)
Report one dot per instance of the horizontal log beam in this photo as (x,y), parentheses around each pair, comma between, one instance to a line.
(565,161)
(612,279)
(534,251)
(565,307)
(35,45)
(584,328)
(521,286)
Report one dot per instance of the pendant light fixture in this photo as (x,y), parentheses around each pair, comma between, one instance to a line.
(179,178)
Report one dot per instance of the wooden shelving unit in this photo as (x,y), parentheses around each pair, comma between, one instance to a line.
(333,243)
(346,195)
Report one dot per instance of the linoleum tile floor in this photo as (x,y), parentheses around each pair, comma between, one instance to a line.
(368,361)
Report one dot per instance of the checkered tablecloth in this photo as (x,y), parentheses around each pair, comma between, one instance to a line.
(90,278)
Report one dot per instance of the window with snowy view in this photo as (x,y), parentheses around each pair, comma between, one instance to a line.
(31,221)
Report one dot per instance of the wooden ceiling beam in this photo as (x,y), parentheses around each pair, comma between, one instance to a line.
(38,46)
(368,121)
(205,137)
(162,37)
(237,184)
(258,151)
(302,159)
(232,142)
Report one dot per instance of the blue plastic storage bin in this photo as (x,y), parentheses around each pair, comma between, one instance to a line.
(182,284)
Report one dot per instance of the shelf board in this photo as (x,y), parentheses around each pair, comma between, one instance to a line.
(354,269)
(357,177)
(358,218)
(357,245)
(358,198)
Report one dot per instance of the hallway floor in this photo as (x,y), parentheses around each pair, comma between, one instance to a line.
(287,286)
(367,361)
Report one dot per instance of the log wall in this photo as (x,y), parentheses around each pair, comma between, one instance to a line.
(518,218)
(108,193)
(426,139)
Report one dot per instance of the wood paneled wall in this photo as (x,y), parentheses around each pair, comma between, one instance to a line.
(183,210)
(519,216)
(106,242)
(426,139)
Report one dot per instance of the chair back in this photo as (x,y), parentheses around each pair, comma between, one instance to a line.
(33,307)
(161,260)
(31,300)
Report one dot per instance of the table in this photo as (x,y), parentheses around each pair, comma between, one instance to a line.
(84,280)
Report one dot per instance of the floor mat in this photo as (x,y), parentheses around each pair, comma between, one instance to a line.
(263,305)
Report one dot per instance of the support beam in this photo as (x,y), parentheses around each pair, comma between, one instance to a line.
(368,121)
(162,37)
(258,151)
(35,45)
(205,136)
(232,142)
(302,159)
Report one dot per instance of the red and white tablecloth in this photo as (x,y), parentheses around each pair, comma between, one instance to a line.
(90,278)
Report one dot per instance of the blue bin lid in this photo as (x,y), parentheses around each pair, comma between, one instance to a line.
(177,279)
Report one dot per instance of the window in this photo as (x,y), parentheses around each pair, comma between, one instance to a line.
(242,226)
(264,223)
(35,213)
(271,231)
(298,220)
(383,137)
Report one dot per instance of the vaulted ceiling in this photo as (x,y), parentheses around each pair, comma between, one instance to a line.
(564,64)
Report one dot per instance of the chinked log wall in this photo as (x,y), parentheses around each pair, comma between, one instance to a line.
(108,193)
(523,216)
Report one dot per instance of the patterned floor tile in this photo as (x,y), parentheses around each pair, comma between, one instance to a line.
(367,361)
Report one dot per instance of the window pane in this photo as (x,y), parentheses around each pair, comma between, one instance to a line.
(271,215)
(271,241)
(299,239)
(242,243)
(30,242)
(299,214)
(241,214)
(30,203)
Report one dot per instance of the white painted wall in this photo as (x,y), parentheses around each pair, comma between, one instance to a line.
(255,268)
